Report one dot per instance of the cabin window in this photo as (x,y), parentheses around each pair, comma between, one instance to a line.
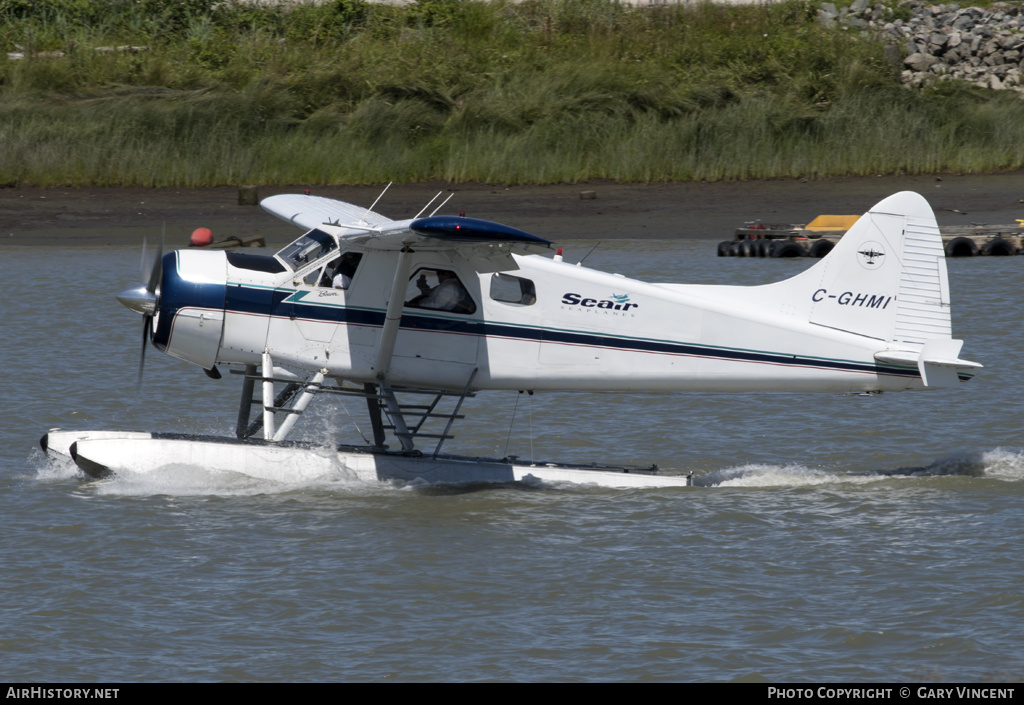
(513,290)
(337,273)
(438,290)
(307,249)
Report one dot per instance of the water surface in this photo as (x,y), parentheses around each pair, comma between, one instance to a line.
(829,538)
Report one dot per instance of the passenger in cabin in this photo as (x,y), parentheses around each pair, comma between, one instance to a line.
(448,295)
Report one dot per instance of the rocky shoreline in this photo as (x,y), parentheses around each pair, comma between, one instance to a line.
(944,41)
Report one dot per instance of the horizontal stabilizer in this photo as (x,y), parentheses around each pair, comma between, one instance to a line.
(937,361)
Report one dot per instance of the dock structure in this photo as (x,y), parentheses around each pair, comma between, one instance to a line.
(817,238)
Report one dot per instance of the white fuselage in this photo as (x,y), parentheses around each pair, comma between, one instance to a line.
(584,330)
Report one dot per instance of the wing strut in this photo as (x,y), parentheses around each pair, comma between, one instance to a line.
(393,317)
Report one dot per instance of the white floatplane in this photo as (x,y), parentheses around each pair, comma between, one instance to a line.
(416,315)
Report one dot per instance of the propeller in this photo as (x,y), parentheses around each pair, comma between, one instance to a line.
(145,298)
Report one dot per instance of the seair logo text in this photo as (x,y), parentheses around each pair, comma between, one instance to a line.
(615,302)
(851,298)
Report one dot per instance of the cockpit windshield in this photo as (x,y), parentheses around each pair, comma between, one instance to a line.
(308,248)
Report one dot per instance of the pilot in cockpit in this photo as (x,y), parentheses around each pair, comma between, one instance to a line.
(345,270)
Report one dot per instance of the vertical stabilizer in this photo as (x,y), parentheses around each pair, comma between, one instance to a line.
(886,278)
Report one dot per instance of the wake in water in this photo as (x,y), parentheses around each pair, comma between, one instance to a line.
(190,480)
(996,464)
(182,480)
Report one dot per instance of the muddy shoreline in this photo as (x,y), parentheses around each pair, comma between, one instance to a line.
(119,217)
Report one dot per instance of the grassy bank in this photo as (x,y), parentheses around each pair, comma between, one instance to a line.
(537,92)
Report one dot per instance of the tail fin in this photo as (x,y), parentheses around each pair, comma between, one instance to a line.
(886,279)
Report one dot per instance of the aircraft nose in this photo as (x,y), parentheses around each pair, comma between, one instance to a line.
(145,297)
(139,299)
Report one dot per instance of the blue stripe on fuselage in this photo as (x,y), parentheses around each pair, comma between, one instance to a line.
(241,299)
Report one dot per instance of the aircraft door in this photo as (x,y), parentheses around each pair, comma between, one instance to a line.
(441,320)
(307,311)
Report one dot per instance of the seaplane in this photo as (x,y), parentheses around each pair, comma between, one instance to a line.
(414,316)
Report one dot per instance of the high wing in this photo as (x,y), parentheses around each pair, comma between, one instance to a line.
(487,245)
(315,211)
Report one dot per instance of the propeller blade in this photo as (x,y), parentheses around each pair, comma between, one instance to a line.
(151,269)
(142,356)
(145,263)
(145,299)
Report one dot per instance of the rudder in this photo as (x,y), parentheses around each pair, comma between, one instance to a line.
(886,279)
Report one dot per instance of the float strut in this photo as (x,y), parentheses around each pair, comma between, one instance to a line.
(308,390)
(373,405)
(268,396)
(245,406)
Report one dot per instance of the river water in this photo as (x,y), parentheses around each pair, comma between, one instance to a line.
(829,538)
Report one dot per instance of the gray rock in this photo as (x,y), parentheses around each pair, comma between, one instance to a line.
(920,62)
(1011,42)
(944,41)
(963,22)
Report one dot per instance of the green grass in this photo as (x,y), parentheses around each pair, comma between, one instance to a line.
(538,92)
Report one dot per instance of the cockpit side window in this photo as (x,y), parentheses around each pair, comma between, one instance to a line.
(307,249)
(337,273)
(438,290)
(321,276)
(513,290)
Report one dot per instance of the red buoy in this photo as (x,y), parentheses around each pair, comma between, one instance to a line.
(201,237)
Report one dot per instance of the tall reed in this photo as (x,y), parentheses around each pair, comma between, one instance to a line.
(536,92)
